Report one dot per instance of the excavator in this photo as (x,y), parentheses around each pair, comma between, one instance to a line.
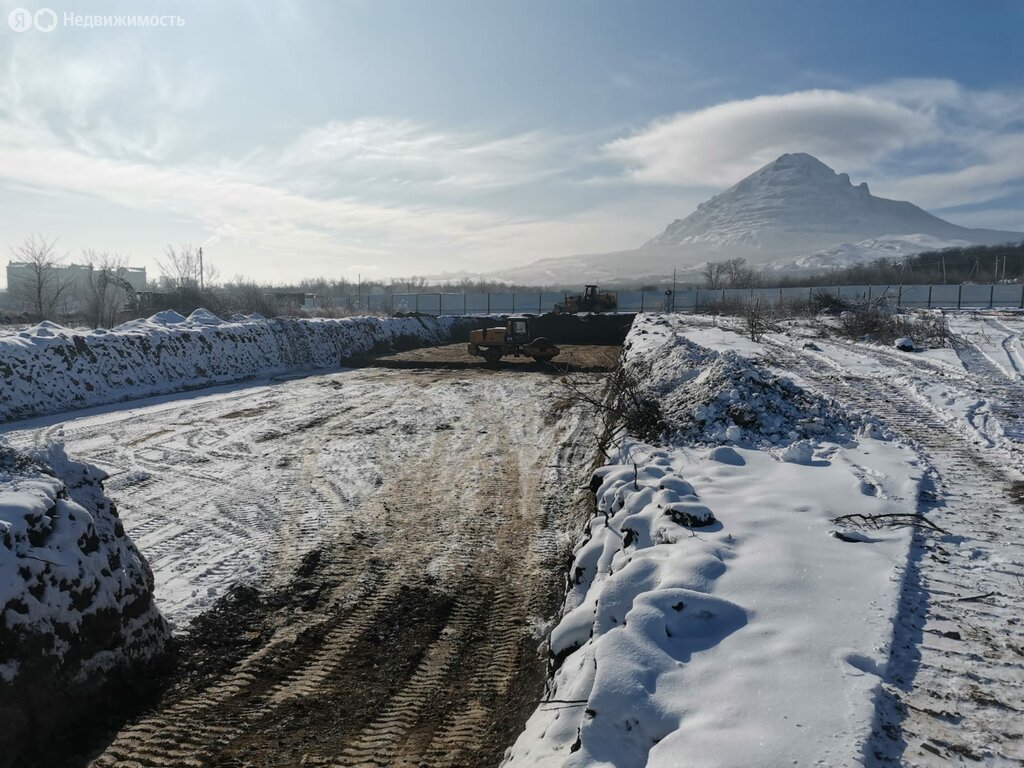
(588,301)
(513,339)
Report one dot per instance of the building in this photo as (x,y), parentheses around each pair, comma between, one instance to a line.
(66,286)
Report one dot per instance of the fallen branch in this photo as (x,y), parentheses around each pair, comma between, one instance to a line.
(890,520)
(565,701)
(968,599)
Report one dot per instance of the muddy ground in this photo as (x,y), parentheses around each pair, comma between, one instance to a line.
(573,357)
(419,513)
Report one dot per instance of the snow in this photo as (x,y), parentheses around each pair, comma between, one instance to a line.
(709,396)
(757,637)
(904,344)
(66,566)
(892,247)
(49,369)
(999,336)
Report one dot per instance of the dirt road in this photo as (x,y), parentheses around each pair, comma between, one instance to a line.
(953,692)
(406,530)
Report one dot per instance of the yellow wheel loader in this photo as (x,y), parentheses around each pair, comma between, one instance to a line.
(492,344)
(591,300)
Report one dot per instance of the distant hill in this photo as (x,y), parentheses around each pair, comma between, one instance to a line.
(793,215)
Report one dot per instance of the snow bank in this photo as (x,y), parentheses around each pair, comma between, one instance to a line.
(76,597)
(713,616)
(49,369)
(713,397)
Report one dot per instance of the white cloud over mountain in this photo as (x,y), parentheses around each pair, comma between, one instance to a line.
(715,146)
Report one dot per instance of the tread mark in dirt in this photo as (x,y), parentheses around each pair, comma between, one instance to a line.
(445,615)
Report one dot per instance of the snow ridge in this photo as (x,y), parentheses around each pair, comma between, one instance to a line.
(76,596)
(50,369)
(713,615)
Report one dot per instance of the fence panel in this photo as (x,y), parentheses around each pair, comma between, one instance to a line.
(631,301)
(945,295)
(914,296)
(528,303)
(403,302)
(452,303)
(1008,296)
(793,294)
(502,303)
(476,303)
(694,299)
(855,292)
(379,303)
(685,300)
(975,296)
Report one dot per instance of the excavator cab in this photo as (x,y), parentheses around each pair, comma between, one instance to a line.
(517,331)
(589,295)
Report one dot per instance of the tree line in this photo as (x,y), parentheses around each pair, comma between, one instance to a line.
(98,294)
(966,264)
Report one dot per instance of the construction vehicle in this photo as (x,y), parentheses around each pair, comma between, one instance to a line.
(588,301)
(513,339)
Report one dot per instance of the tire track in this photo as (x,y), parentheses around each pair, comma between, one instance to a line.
(406,640)
(952,690)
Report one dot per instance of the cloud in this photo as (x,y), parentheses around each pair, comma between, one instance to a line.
(719,145)
(402,152)
(933,141)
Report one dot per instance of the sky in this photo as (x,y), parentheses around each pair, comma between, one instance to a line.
(376,138)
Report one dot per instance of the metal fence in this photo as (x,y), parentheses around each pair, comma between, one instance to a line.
(967,296)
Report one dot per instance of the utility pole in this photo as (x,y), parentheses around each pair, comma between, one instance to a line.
(943,269)
(201,286)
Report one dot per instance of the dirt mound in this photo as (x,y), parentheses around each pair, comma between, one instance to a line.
(711,397)
(77,616)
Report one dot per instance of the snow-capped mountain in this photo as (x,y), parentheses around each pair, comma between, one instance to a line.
(795,215)
(799,199)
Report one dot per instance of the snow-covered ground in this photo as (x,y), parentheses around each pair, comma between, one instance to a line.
(718,615)
(999,336)
(762,640)
(236,483)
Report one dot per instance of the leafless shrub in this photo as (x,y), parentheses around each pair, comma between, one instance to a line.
(620,400)
(758,317)
(247,297)
(930,329)
(876,321)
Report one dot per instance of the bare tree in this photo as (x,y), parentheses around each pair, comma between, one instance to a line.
(38,278)
(714,274)
(107,292)
(738,274)
(187,276)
